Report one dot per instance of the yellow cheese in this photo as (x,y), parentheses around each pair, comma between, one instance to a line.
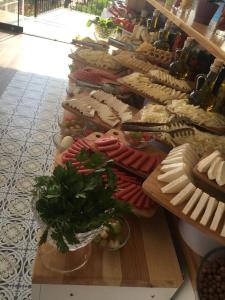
(211,206)
(176,185)
(191,203)
(184,194)
(200,206)
(217,216)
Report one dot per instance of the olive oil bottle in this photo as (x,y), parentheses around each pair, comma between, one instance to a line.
(163,42)
(203,94)
(153,23)
(179,68)
(219,90)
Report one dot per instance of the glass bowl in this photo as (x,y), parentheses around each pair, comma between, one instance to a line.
(114,235)
(138,140)
(210,279)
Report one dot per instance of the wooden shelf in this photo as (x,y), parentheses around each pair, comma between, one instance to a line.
(204,35)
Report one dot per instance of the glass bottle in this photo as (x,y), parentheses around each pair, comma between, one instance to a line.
(179,67)
(153,23)
(219,91)
(203,95)
(163,42)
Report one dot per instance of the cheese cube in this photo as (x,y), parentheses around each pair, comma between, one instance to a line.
(217,216)
(213,170)
(211,206)
(184,194)
(176,185)
(191,203)
(220,176)
(172,174)
(206,162)
(200,206)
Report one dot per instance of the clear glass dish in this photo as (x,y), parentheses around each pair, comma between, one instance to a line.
(115,239)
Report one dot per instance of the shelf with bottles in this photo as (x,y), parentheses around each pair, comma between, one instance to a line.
(204,35)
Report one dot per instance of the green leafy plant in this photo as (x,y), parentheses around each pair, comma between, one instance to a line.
(69,202)
(103,23)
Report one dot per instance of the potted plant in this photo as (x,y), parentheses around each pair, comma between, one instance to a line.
(103,27)
(205,10)
(71,207)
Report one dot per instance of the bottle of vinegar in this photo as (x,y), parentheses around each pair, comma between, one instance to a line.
(203,94)
(179,67)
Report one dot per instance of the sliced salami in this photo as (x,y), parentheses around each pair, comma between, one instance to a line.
(124,155)
(135,197)
(140,202)
(117,152)
(141,161)
(148,166)
(124,191)
(106,141)
(130,195)
(130,160)
(108,147)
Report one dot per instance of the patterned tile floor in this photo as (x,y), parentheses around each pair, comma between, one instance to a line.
(29,109)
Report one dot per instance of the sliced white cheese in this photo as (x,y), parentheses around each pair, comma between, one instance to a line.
(210,208)
(206,162)
(223,231)
(174,160)
(167,168)
(217,216)
(184,146)
(188,155)
(176,185)
(184,194)
(220,176)
(213,170)
(200,206)
(193,200)
(172,174)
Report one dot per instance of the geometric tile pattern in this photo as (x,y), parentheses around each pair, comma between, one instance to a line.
(29,110)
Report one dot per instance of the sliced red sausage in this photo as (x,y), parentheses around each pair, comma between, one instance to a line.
(135,197)
(117,152)
(126,190)
(131,159)
(140,202)
(76,163)
(108,147)
(73,151)
(106,141)
(124,155)
(76,147)
(137,164)
(130,195)
(123,185)
(148,166)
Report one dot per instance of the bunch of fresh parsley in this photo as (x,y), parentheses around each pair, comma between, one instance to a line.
(70,203)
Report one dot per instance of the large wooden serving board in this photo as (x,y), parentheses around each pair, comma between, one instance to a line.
(152,187)
(147,260)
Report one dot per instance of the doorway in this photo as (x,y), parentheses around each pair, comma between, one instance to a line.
(10,15)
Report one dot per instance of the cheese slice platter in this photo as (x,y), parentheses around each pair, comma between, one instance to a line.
(174,187)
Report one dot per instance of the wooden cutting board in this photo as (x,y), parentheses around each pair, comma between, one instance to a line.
(147,260)
(152,188)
